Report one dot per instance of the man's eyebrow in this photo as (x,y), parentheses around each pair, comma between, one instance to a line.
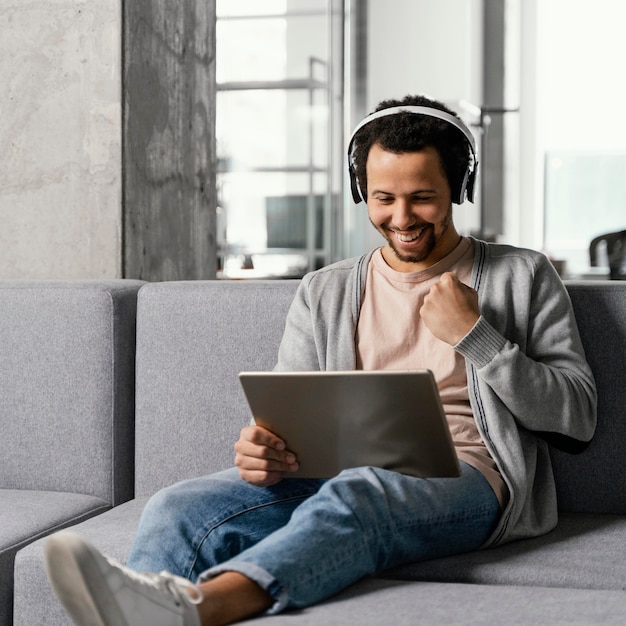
(411,193)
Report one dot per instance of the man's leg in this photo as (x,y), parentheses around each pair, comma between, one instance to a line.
(184,529)
(360,523)
(193,525)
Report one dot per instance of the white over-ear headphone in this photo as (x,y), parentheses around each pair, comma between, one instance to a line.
(466,190)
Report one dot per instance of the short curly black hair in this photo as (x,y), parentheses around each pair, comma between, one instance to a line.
(407,132)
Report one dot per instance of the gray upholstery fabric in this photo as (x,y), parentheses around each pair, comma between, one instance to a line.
(193,339)
(392,603)
(35,604)
(593,482)
(27,515)
(66,384)
(376,602)
(66,408)
(584,551)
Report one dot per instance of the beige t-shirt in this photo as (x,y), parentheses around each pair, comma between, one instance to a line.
(391,335)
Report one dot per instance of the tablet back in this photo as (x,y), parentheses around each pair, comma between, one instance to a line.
(337,420)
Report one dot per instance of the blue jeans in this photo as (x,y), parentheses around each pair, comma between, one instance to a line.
(304,540)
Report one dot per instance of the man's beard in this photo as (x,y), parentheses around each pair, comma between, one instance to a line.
(430,244)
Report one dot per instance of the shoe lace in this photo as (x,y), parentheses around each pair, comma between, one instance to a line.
(181,589)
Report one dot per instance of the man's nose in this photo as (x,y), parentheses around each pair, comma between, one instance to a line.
(402,214)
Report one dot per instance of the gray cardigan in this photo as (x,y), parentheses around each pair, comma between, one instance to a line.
(529,382)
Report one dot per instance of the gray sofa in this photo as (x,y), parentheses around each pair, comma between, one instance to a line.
(67,353)
(192,339)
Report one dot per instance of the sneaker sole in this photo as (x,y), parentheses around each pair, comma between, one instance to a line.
(78,581)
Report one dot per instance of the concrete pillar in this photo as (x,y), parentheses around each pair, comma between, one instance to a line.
(168,140)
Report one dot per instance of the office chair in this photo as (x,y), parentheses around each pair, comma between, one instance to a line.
(616,251)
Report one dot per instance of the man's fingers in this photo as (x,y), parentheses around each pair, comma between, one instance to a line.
(273,449)
(261,436)
(253,451)
(450,309)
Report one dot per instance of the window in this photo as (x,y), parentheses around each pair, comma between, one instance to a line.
(581,129)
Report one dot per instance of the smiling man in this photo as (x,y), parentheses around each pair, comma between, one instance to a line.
(493,323)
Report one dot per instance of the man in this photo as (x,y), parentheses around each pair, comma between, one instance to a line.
(495,325)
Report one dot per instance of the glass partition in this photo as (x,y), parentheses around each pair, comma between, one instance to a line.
(278,105)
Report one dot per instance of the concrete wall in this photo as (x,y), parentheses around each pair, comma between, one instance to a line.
(106,133)
(60,133)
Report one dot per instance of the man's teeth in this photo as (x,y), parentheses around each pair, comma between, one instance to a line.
(409,237)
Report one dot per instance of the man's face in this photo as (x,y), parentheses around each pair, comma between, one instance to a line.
(409,203)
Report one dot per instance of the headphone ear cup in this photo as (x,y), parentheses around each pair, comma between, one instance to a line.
(357,193)
(458,197)
(467,187)
(471,182)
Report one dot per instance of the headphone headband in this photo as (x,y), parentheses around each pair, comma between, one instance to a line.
(469,180)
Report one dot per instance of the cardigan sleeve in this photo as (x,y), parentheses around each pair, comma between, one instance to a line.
(533,360)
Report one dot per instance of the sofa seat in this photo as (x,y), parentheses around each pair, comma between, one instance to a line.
(34,511)
(376,602)
(572,575)
(515,584)
(113,532)
(34,514)
(579,553)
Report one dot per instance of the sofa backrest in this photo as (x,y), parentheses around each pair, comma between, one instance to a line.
(67,386)
(595,480)
(193,338)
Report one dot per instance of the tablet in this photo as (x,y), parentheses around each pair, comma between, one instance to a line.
(337,420)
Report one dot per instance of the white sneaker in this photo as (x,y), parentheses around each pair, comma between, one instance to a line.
(97,591)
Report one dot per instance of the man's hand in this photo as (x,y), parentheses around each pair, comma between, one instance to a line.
(450,309)
(261,457)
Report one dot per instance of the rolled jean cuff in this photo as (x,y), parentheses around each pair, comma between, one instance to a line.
(256,574)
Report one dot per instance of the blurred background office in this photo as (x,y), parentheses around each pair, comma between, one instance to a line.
(167,141)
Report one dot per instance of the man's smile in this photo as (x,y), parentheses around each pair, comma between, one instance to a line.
(408,237)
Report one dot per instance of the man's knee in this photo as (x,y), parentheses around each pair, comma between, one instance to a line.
(356,489)
(189,496)
(166,502)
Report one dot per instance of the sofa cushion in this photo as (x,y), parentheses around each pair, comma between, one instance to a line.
(67,386)
(112,532)
(370,602)
(25,516)
(583,551)
(376,603)
(193,338)
(595,480)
